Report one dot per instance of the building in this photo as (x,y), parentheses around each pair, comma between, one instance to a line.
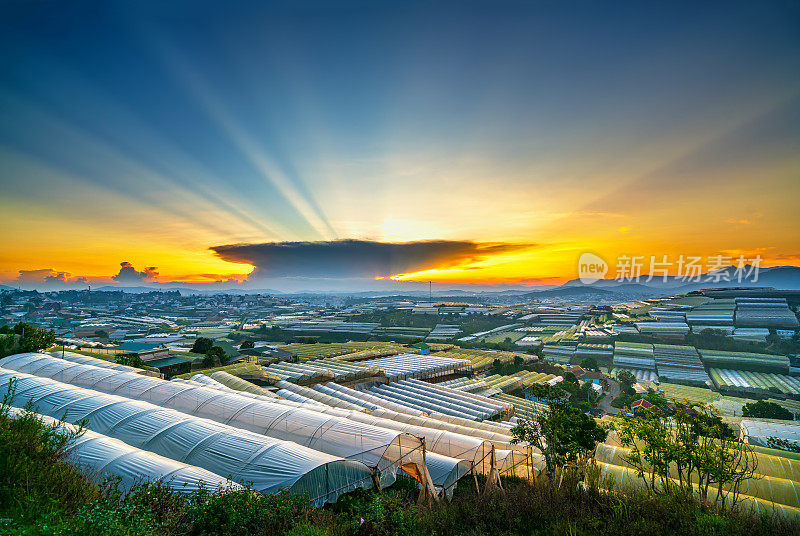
(147,351)
(422,347)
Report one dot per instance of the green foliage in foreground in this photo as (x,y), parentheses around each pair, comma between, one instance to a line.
(42,495)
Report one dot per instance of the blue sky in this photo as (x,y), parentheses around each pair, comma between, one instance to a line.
(181,127)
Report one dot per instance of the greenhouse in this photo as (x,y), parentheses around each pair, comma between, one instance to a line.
(471,385)
(366,400)
(97,362)
(745,361)
(383,449)
(767,488)
(601,352)
(668,314)
(316,396)
(663,329)
(679,363)
(750,334)
(558,354)
(765,313)
(269,464)
(713,313)
(429,400)
(457,398)
(237,384)
(634,355)
(758,381)
(642,375)
(527,409)
(757,432)
(299,373)
(100,456)
(446,472)
(403,366)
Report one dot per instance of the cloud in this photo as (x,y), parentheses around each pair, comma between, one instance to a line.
(343,259)
(129,274)
(47,278)
(37,276)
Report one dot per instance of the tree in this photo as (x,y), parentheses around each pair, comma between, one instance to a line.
(101,333)
(131,360)
(686,450)
(782,444)
(626,380)
(247,343)
(562,433)
(766,410)
(33,338)
(217,354)
(590,363)
(202,345)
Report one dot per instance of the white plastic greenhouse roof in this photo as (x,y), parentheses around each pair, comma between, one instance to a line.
(381,448)
(758,432)
(402,366)
(99,456)
(431,399)
(89,360)
(269,464)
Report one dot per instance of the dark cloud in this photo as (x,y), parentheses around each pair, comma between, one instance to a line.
(129,274)
(39,276)
(339,259)
(46,278)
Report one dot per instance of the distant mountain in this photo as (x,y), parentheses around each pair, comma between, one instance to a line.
(185,291)
(779,277)
(571,292)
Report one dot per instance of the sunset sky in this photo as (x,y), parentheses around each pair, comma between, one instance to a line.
(306,146)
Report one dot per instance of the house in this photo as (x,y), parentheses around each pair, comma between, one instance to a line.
(422,347)
(586,375)
(148,351)
(269,351)
(641,406)
(171,365)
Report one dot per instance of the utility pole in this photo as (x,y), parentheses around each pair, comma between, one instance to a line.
(430,290)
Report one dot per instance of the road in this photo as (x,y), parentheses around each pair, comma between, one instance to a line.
(611,394)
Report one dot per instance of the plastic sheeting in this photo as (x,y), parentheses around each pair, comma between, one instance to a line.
(758,432)
(99,456)
(239,384)
(381,448)
(402,366)
(317,396)
(626,478)
(446,472)
(425,401)
(768,488)
(268,464)
(295,397)
(467,400)
(499,435)
(441,437)
(373,400)
(89,360)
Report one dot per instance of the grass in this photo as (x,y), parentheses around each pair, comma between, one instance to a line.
(40,494)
